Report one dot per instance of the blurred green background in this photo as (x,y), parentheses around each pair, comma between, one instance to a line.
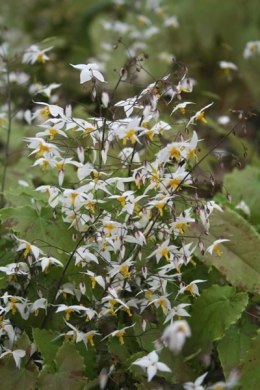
(208,31)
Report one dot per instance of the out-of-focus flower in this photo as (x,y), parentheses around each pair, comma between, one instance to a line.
(195,385)
(252,48)
(223,119)
(227,65)
(174,335)
(35,54)
(243,207)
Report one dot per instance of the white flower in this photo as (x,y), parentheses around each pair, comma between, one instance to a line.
(174,335)
(28,248)
(252,48)
(171,21)
(181,107)
(199,116)
(89,72)
(195,385)
(178,311)
(227,65)
(151,364)
(19,268)
(119,333)
(18,354)
(215,247)
(223,119)
(192,287)
(45,262)
(35,54)
(243,207)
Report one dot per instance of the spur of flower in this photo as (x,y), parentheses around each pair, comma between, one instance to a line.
(151,364)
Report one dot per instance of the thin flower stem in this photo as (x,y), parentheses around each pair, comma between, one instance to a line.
(9,130)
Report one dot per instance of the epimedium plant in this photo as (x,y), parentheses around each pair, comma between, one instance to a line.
(105,282)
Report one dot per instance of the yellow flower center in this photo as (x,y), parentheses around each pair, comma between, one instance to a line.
(174,183)
(40,58)
(60,166)
(93,281)
(73,196)
(129,135)
(90,205)
(45,164)
(45,112)
(149,295)
(182,226)
(121,200)
(160,207)
(27,249)
(192,153)
(109,228)
(162,302)
(165,253)
(42,149)
(190,289)
(68,313)
(13,301)
(124,271)
(201,117)
(52,133)
(175,153)
(217,250)
(120,334)
(87,131)
(89,338)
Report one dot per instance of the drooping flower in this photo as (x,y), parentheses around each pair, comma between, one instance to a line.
(214,248)
(175,334)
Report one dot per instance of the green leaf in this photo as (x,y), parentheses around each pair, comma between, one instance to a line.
(240,260)
(118,351)
(233,346)
(13,378)
(38,226)
(45,345)
(213,313)
(69,372)
(250,378)
(18,379)
(245,184)
(90,359)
